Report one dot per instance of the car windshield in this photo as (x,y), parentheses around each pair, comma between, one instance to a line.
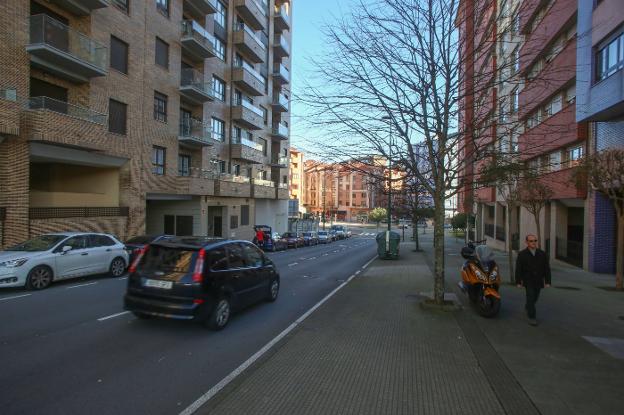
(143,239)
(288,235)
(307,234)
(322,233)
(40,243)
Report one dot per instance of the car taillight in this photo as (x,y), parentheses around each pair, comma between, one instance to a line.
(137,259)
(199,266)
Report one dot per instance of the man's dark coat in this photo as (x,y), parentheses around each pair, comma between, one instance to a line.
(532,269)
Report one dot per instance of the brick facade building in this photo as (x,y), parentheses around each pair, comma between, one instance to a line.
(130,116)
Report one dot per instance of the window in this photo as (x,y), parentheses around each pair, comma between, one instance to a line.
(217,260)
(502,112)
(253,255)
(235,254)
(218,88)
(574,155)
(219,165)
(514,101)
(158,160)
(233,222)
(184,165)
(610,58)
(218,129)
(162,53)
(160,107)
(100,240)
(244,215)
(219,48)
(263,143)
(555,161)
(220,16)
(77,242)
(117,117)
(123,5)
(265,115)
(118,55)
(236,170)
(515,58)
(163,6)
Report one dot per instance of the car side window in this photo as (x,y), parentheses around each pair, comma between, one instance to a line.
(100,240)
(217,260)
(236,257)
(253,256)
(76,242)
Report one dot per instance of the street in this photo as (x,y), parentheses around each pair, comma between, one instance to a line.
(72,348)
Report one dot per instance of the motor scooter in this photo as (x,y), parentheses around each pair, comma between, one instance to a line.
(480,278)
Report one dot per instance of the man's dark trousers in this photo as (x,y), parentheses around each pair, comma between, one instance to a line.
(532,294)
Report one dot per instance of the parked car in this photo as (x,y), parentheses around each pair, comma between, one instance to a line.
(134,245)
(277,243)
(340,231)
(293,239)
(333,235)
(310,238)
(201,279)
(324,237)
(38,262)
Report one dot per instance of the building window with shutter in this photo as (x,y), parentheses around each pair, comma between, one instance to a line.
(162,53)
(117,117)
(160,107)
(158,160)
(119,55)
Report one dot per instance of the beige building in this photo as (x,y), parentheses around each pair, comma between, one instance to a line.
(151,116)
(297,179)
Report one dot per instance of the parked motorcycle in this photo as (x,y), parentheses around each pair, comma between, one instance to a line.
(480,278)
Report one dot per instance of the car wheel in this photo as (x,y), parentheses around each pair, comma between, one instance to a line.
(220,315)
(274,286)
(39,278)
(142,316)
(117,267)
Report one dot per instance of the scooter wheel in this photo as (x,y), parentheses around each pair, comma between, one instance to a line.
(488,306)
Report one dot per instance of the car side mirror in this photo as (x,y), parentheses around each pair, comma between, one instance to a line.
(66,249)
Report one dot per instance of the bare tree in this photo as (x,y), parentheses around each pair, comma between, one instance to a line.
(534,194)
(605,172)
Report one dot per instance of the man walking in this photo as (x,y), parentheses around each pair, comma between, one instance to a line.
(532,272)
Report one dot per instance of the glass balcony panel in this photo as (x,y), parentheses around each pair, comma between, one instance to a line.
(281,74)
(197,43)
(62,107)
(194,88)
(195,132)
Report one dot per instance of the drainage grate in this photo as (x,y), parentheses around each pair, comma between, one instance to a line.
(566,287)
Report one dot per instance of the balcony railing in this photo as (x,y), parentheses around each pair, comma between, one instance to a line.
(282,17)
(248,79)
(195,132)
(232,178)
(279,161)
(263,182)
(197,41)
(247,143)
(280,130)
(280,102)
(282,185)
(193,86)
(82,7)
(280,46)
(281,74)
(251,107)
(250,70)
(252,11)
(62,107)
(67,53)
(249,43)
(242,27)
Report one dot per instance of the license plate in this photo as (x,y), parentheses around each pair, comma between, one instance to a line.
(166,285)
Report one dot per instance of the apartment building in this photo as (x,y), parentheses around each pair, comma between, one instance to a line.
(600,101)
(297,182)
(133,117)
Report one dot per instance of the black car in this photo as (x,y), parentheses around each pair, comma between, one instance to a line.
(201,279)
(310,238)
(134,245)
(293,239)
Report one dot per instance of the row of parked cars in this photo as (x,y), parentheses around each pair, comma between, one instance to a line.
(274,241)
(186,278)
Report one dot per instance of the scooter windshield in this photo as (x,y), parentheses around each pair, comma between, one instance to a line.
(484,253)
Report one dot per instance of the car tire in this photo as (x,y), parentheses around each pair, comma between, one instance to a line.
(117,267)
(142,316)
(39,278)
(273,292)
(220,315)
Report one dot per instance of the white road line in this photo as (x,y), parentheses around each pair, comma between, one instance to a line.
(226,380)
(113,316)
(14,297)
(80,285)
(293,264)
(368,263)
(325,254)
(123,278)
(311,259)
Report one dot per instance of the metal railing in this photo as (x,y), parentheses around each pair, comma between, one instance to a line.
(195,129)
(281,40)
(246,142)
(263,182)
(242,27)
(76,212)
(489,229)
(249,69)
(282,185)
(62,107)
(195,79)
(281,70)
(193,29)
(262,5)
(281,160)
(46,30)
(283,11)
(8,94)
(200,173)
(251,107)
(281,99)
(280,129)
(227,177)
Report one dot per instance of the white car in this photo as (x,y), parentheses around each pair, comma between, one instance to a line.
(34,264)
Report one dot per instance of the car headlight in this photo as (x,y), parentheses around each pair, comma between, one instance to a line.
(14,263)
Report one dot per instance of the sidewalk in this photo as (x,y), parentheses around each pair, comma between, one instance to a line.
(371,349)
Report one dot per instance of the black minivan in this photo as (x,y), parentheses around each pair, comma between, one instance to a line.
(202,279)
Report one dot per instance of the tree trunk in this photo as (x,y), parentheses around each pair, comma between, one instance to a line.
(619,257)
(438,245)
(415,233)
(536,215)
(510,244)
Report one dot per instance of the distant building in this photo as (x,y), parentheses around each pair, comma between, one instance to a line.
(296,183)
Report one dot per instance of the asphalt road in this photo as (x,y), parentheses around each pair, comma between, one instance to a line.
(71,349)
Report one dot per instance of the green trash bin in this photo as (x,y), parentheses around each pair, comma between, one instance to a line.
(388,244)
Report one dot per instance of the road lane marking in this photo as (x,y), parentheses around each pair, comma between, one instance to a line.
(123,278)
(293,264)
(80,285)
(14,297)
(191,409)
(113,316)
(368,263)
(325,254)
(311,259)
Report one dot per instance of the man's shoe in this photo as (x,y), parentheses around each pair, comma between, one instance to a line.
(533,322)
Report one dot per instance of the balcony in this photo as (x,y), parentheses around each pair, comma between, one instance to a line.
(485,195)
(195,133)
(249,80)
(556,131)
(281,48)
(263,189)
(9,112)
(253,12)
(559,14)
(565,184)
(248,150)
(228,185)
(282,191)
(58,49)
(197,43)
(280,162)
(282,17)
(249,43)
(81,7)
(280,102)
(200,8)
(281,74)
(193,88)
(248,115)
(280,131)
